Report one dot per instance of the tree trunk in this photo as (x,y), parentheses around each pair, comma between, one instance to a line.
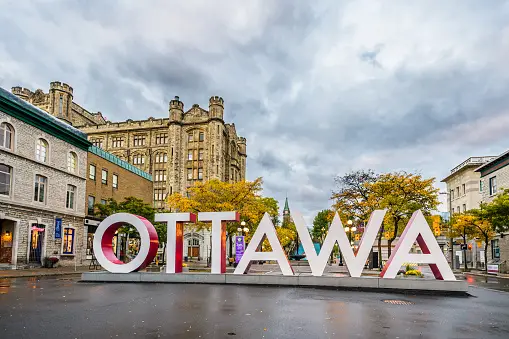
(389,248)
(486,255)
(164,254)
(380,251)
(231,245)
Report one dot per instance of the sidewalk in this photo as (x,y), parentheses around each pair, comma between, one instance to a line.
(482,274)
(42,272)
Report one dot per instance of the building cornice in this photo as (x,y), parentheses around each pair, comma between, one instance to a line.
(28,113)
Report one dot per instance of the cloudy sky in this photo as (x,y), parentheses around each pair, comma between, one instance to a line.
(317,89)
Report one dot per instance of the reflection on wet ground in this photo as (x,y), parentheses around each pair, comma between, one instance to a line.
(500,284)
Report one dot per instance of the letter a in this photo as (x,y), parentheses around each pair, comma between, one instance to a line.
(354,262)
(265,228)
(418,230)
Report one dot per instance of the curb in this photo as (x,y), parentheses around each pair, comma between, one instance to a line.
(486,275)
(38,275)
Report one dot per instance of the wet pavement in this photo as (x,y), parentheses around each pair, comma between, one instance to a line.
(61,307)
(500,284)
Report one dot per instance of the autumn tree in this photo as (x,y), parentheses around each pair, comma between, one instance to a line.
(401,193)
(498,212)
(484,229)
(217,196)
(463,225)
(321,225)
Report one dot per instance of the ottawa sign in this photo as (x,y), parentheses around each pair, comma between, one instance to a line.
(417,230)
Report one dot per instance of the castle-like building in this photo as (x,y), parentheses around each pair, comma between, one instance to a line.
(179,150)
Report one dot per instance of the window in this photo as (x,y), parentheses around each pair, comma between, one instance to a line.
(452,194)
(190,137)
(68,241)
(97,142)
(159,194)
(6,135)
(40,188)
(117,142)
(103,202)
(190,155)
(60,105)
(464,208)
(161,139)
(115,181)
(139,140)
(201,136)
(463,189)
(138,159)
(41,150)
(91,172)
(160,175)
(71,192)
(72,160)
(161,158)
(91,203)
(458,191)
(458,209)
(480,185)
(104,177)
(495,250)
(200,154)
(200,173)
(493,185)
(189,174)
(5,179)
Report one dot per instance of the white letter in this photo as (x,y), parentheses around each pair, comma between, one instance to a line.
(174,238)
(265,228)
(218,219)
(418,229)
(354,262)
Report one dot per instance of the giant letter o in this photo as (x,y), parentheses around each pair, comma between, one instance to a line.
(103,247)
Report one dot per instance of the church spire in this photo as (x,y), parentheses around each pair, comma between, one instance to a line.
(286,213)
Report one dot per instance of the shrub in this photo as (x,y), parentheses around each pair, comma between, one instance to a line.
(414,272)
(184,265)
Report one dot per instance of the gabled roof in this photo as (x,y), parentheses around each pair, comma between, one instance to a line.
(28,113)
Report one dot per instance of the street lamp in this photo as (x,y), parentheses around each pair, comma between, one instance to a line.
(246,230)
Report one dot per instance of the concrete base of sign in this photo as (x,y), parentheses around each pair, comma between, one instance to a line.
(404,285)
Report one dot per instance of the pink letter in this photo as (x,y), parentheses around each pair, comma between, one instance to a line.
(103,248)
(174,238)
(418,230)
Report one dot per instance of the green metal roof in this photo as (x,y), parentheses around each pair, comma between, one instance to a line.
(28,113)
(117,161)
(287,208)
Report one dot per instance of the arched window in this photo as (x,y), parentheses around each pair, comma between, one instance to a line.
(41,150)
(5,179)
(6,135)
(72,162)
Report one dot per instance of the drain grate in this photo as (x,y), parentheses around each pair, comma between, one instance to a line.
(397,302)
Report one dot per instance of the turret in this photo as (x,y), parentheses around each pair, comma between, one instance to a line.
(216,107)
(176,110)
(241,142)
(60,100)
(22,93)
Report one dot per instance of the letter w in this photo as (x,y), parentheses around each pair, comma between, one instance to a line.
(354,261)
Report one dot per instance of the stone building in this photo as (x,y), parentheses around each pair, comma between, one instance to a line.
(111,178)
(463,194)
(177,150)
(59,103)
(186,147)
(43,166)
(494,180)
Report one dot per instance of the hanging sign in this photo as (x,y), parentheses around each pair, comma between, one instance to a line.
(58,228)
(239,248)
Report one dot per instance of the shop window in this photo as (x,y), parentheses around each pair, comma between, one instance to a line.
(68,241)
(5,179)
(6,135)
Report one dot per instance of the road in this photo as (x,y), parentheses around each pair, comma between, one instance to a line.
(63,308)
